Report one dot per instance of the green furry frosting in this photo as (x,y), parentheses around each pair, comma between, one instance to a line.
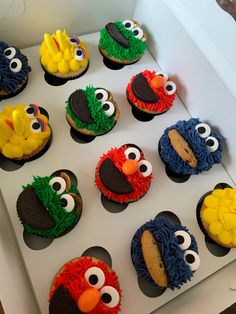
(113,49)
(52,201)
(101,122)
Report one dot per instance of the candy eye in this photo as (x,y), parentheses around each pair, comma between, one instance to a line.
(108,108)
(192,259)
(15,65)
(164,75)
(170,88)
(203,130)
(145,168)
(10,52)
(109,296)
(67,202)
(32,111)
(101,95)
(74,40)
(95,277)
(212,144)
(138,32)
(132,153)
(37,125)
(79,54)
(128,24)
(184,239)
(58,184)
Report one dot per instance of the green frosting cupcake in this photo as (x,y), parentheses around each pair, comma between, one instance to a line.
(129,48)
(49,206)
(92,111)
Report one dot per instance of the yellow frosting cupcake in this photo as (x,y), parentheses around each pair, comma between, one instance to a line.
(218,215)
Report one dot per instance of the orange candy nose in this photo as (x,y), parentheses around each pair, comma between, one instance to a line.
(88,300)
(157,81)
(129,167)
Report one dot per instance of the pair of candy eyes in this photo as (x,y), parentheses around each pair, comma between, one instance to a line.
(137,31)
(204,130)
(102,96)
(15,63)
(79,52)
(95,277)
(58,185)
(190,256)
(144,166)
(37,125)
(169,86)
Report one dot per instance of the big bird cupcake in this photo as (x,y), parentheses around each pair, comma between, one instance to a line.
(63,57)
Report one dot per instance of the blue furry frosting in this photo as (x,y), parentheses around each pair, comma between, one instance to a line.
(163,230)
(14,68)
(199,145)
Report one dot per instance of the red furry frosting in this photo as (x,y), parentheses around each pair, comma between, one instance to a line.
(139,183)
(73,279)
(165,102)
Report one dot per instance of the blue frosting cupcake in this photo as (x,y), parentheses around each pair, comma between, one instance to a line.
(178,250)
(190,136)
(13,71)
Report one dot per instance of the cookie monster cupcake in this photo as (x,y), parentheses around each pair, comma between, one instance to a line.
(63,57)
(164,254)
(150,93)
(91,112)
(123,175)
(122,43)
(189,148)
(50,206)
(14,71)
(217,212)
(25,133)
(85,285)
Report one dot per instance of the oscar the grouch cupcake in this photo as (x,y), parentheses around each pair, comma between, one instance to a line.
(122,43)
(63,57)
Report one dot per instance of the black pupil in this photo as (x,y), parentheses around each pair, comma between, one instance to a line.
(35,125)
(14,65)
(135,32)
(201,130)
(180,239)
(93,279)
(169,88)
(143,168)
(56,186)
(106,298)
(7,52)
(210,142)
(190,258)
(73,40)
(99,96)
(79,53)
(30,110)
(128,25)
(131,156)
(64,202)
(105,106)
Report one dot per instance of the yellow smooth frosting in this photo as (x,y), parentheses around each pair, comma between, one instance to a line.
(219,213)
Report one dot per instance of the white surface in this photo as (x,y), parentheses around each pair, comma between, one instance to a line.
(23,22)
(183,46)
(82,160)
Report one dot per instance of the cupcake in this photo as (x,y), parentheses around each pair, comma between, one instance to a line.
(63,57)
(150,93)
(189,148)
(122,43)
(85,285)
(24,131)
(14,71)
(123,175)
(50,206)
(164,254)
(218,216)
(91,112)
